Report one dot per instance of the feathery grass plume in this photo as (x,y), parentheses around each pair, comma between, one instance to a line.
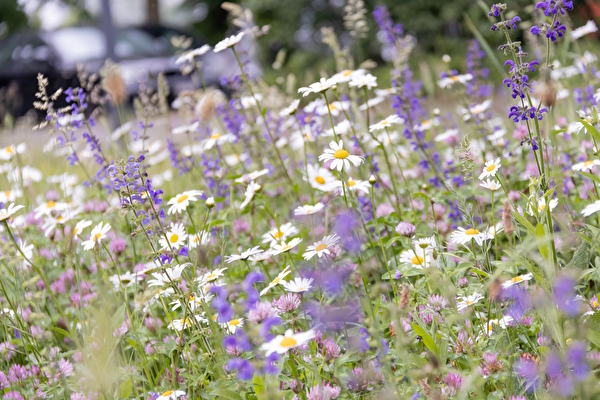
(355,20)
(112,82)
(467,158)
(404,297)
(163,94)
(340,55)
(462,205)
(507,221)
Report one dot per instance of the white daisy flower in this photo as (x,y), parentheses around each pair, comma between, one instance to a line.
(198,239)
(371,103)
(9,196)
(229,42)
(176,237)
(27,250)
(285,247)
(210,276)
(541,205)
(291,109)
(244,256)
(181,324)
(490,168)
(189,56)
(490,184)
(318,87)
(340,129)
(277,281)
(8,152)
(308,209)
(6,213)
(347,75)
(339,157)
(450,80)
(185,129)
(585,165)
(591,209)
(251,190)
(321,247)
(467,301)
(282,343)
(426,125)
(171,395)
(589,27)
(51,222)
(477,110)
(125,279)
(502,322)
(98,233)
(517,279)
(335,108)
(80,226)
(282,233)
(464,236)
(235,159)
(170,274)
(217,139)
(233,325)
(416,258)
(352,185)
(48,207)
(369,81)
(194,302)
(180,202)
(298,285)
(260,257)
(252,176)
(320,178)
(386,123)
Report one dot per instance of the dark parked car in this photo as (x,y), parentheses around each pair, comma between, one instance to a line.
(141,54)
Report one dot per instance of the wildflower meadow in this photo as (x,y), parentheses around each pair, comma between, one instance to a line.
(348,238)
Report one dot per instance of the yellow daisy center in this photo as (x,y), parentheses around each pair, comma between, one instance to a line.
(9,150)
(347,72)
(192,298)
(174,238)
(215,136)
(469,302)
(286,247)
(75,230)
(50,204)
(234,322)
(7,193)
(541,207)
(351,183)
(516,279)
(96,237)
(491,168)
(425,122)
(320,247)
(182,199)
(472,231)
(340,154)
(595,304)
(454,78)
(588,163)
(320,180)
(278,234)
(288,342)
(211,277)
(276,280)
(416,260)
(167,393)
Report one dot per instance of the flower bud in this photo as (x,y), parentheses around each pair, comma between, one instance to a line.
(372,180)
(210,202)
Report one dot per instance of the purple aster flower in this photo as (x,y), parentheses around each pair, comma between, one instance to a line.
(564,296)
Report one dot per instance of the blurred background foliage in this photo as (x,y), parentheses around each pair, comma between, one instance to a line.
(295,35)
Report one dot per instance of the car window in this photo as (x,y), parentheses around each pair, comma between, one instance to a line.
(76,45)
(23,48)
(133,43)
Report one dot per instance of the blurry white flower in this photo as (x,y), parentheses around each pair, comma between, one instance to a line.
(98,233)
(189,56)
(318,87)
(450,80)
(490,168)
(277,281)
(339,157)
(589,27)
(229,42)
(282,343)
(369,81)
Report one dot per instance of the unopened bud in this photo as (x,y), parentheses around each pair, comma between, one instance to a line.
(257,188)
(210,202)
(372,180)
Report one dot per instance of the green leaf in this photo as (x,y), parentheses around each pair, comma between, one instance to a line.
(590,176)
(523,221)
(581,257)
(541,240)
(594,337)
(591,129)
(62,332)
(259,384)
(427,339)
(125,389)
(225,394)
